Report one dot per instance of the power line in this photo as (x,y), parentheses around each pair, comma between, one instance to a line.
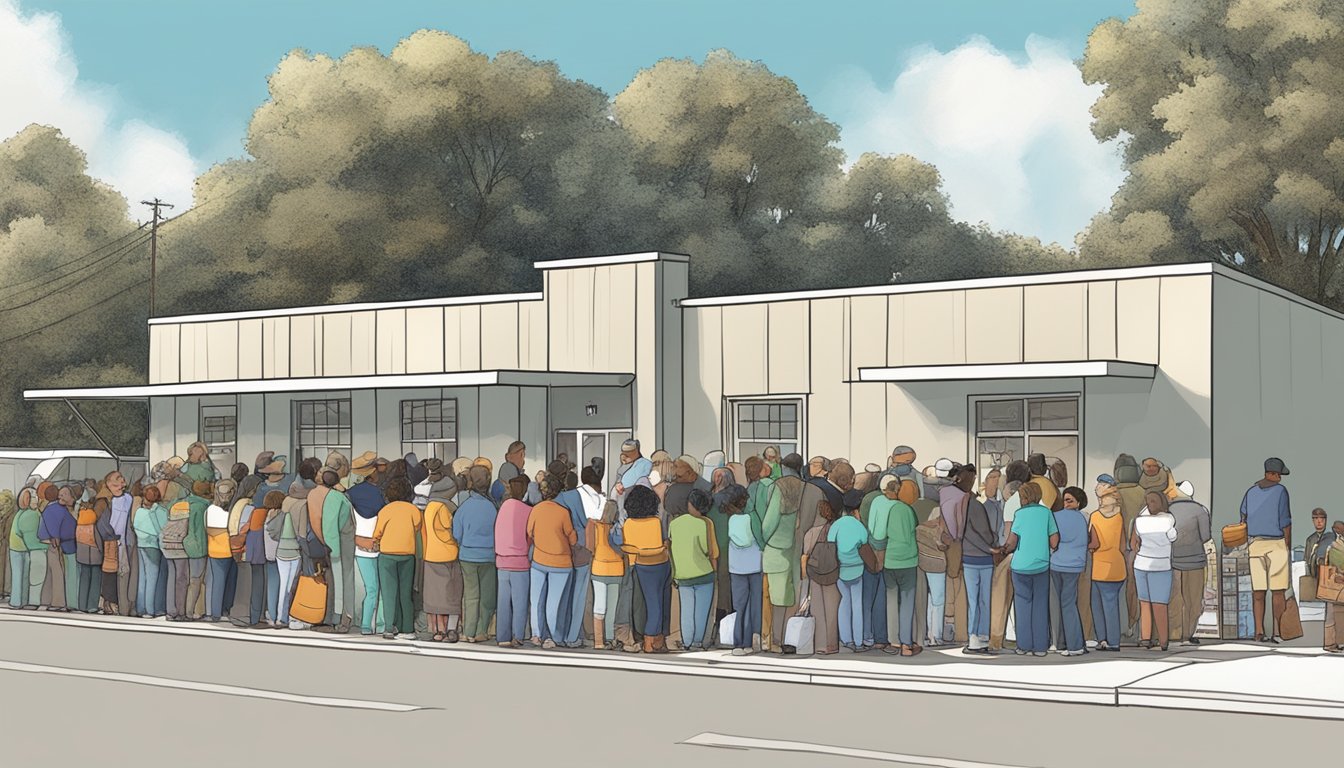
(121,252)
(52,323)
(77,259)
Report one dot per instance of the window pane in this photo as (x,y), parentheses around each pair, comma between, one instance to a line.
(999,416)
(1058,448)
(1052,415)
(998,452)
(789,413)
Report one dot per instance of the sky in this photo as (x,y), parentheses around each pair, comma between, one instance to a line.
(156,91)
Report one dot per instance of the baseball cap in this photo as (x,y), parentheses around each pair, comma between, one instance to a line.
(1106,479)
(943,467)
(1276,465)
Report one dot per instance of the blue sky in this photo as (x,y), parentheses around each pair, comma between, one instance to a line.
(885,71)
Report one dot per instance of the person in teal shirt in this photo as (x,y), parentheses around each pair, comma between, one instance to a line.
(891,529)
(27,554)
(848,534)
(1032,538)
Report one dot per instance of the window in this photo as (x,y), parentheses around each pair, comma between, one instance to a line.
(321,426)
(1008,429)
(758,424)
(219,432)
(429,429)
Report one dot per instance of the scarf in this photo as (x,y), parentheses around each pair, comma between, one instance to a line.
(1158,482)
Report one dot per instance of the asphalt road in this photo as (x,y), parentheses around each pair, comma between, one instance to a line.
(76,696)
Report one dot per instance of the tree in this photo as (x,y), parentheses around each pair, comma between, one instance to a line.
(1231,113)
(53,218)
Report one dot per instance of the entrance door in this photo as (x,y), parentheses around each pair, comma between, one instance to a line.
(581,446)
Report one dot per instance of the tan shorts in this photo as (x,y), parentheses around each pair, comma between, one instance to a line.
(1269,564)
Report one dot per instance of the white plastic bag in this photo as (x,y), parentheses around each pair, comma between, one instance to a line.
(799,632)
(726,626)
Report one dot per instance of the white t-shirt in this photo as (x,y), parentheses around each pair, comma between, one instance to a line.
(1156,533)
(364,527)
(216,517)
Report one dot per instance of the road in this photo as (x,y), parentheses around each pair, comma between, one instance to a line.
(150,699)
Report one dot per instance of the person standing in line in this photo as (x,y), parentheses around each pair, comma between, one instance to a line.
(442,582)
(1189,561)
(823,599)
(745,541)
(695,555)
(367,500)
(512,565)
(394,536)
(284,530)
(221,578)
(514,459)
(474,529)
(27,553)
(891,531)
(1317,545)
(1066,569)
(58,530)
(979,545)
(1334,557)
(759,485)
(779,556)
(1033,537)
(195,545)
(89,532)
(643,539)
(176,564)
(608,572)
(338,534)
(584,502)
(114,503)
(1105,540)
(254,557)
(848,534)
(1269,526)
(1154,532)
(551,536)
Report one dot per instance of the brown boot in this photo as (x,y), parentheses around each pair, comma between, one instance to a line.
(599,634)
(660,643)
(648,646)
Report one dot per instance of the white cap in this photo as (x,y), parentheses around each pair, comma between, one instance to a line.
(943,467)
(1186,487)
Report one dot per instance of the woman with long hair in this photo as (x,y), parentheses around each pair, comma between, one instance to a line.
(1154,531)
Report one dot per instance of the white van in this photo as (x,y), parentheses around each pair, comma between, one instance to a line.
(17,465)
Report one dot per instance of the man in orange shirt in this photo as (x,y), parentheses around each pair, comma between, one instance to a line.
(551,535)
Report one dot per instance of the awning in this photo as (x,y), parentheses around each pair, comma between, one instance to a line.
(339,383)
(980,372)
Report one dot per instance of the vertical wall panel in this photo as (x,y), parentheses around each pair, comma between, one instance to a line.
(424,340)
(621,311)
(1055,317)
(391,336)
(302,345)
(828,414)
(1101,321)
(363,356)
(994,325)
(500,337)
(222,350)
(249,348)
(745,349)
(1137,311)
(336,332)
(867,321)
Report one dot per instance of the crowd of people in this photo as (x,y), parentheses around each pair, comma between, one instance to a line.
(662,554)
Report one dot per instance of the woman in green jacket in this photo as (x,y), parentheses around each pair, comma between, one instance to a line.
(25,583)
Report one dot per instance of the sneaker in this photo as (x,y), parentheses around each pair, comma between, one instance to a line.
(548,644)
(1193,641)
(740,651)
(1039,654)
(1071,653)
(1020,652)
(389,636)
(406,636)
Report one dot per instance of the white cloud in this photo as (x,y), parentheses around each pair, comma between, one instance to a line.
(39,83)
(1011,138)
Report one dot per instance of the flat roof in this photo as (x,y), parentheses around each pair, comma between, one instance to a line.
(338,383)
(369,306)
(988,371)
(617,258)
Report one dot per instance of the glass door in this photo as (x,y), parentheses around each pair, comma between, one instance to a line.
(581,446)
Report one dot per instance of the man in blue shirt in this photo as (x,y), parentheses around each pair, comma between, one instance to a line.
(1269,526)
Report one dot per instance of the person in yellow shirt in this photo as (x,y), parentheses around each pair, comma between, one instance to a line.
(441,590)
(643,539)
(399,525)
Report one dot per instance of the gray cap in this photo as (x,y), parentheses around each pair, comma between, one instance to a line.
(630,445)
(901,449)
(1276,465)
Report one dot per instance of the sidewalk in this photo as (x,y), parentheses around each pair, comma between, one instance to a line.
(1238,677)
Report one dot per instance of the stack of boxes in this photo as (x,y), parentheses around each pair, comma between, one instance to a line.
(1236,616)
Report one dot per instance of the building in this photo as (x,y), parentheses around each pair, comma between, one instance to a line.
(1199,365)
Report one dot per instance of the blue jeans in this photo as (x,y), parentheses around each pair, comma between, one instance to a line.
(1031,601)
(696,602)
(937,600)
(874,609)
(655,583)
(553,581)
(511,610)
(900,585)
(747,606)
(1153,586)
(147,589)
(221,586)
(273,591)
(371,613)
(1106,611)
(1066,588)
(851,612)
(978,580)
(576,599)
(19,563)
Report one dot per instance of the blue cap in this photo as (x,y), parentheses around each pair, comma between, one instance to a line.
(1107,479)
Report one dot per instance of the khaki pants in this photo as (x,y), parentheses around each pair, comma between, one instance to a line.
(1331,633)
(1000,600)
(1085,602)
(825,607)
(1187,603)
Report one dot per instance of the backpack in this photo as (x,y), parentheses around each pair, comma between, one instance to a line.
(497,492)
(823,562)
(171,537)
(932,539)
(1126,469)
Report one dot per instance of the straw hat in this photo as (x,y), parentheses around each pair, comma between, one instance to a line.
(364,464)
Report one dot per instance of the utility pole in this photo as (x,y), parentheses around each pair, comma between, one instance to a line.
(154,247)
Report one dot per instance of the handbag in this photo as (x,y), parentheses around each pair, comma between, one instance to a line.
(1290,626)
(1234,535)
(1327,588)
(1308,588)
(580,554)
(310,600)
(871,562)
(110,556)
(84,535)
